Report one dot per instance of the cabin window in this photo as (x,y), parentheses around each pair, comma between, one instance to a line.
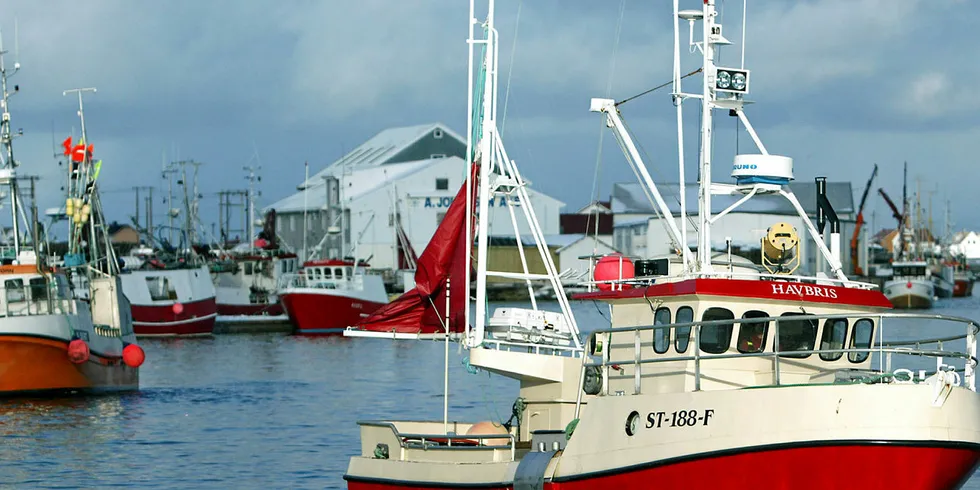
(348,272)
(161,289)
(834,335)
(683,334)
(14,289)
(861,339)
(327,273)
(442,184)
(316,274)
(752,336)
(661,335)
(248,268)
(796,335)
(715,339)
(39,289)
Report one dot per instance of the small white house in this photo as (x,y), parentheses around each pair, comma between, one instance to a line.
(966,243)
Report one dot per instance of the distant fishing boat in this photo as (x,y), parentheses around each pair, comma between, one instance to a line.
(911,286)
(327,296)
(247,277)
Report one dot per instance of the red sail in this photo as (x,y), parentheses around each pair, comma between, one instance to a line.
(423,309)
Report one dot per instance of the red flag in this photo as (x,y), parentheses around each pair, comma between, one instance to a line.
(67,145)
(78,153)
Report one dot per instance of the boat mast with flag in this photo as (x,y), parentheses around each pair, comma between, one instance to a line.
(676,392)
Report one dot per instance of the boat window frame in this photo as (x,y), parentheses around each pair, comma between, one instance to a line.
(782,329)
(15,285)
(682,333)
(39,290)
(171,291)
(743,327)
(247,267)
(719,347)
(861,356)
(659,320)
(833,356)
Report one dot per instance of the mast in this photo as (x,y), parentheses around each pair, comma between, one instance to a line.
(704,172)
(252,178)
(9,165)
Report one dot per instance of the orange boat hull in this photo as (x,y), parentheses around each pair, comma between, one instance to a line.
(34,365)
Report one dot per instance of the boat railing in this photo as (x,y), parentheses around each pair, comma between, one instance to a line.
(599,344)
(617,284)
(35,299)
(531,347)
(388,434)
(298,280)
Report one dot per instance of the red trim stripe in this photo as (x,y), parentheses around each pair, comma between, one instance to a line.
(740,288)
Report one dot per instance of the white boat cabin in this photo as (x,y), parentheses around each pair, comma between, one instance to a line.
(327,274)
(27,292)
(743,323)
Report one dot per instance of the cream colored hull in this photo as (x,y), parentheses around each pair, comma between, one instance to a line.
(725,422)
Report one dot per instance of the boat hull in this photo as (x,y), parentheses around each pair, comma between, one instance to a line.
(195,319)
(32,365)
(156,313)
(962,288)
(910,294)
(318,312)
(884,466)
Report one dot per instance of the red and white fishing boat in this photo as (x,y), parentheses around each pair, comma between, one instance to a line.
(708,376)
(327,296)
(174,301)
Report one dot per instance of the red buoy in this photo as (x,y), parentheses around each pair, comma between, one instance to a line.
(133,355)
(908,284)
(78,351)
(613,267)
(178,308)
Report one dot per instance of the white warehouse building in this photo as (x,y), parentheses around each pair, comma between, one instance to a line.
(417,170)
(638,231)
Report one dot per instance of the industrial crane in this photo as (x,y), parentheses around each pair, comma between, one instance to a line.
(855,262)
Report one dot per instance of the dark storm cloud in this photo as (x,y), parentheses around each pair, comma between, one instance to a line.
(840,84)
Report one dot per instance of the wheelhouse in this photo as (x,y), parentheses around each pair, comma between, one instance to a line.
(707,334)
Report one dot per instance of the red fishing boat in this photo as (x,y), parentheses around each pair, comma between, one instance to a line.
(327,296)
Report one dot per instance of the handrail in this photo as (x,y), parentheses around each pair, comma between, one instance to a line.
(651,280)
(881,347)
(403,436)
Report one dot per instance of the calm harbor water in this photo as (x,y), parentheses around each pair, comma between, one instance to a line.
(253,411)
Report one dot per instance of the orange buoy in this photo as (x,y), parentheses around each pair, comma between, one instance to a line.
(486,428)
(613,267)
(133,355)
(178,308)
(78,351)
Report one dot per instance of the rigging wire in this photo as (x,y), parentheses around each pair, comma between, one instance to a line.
(658,87)
(510,69)
(602,131)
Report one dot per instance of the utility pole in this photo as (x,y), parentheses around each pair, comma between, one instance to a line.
(136,217)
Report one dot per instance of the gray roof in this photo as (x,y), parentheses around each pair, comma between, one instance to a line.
(383,148)
(629,198)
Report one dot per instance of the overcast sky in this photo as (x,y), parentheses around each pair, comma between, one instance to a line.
(840,85)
